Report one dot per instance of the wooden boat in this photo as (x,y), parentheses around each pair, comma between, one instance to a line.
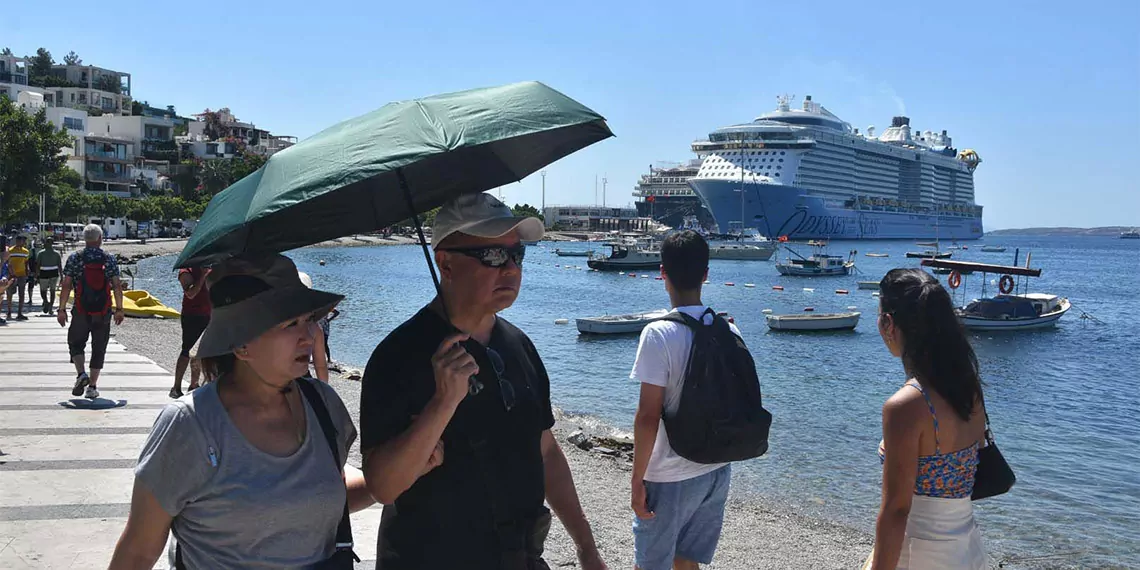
(813,321)
(869,285)
(618,324)
(878,255)
(1010,310)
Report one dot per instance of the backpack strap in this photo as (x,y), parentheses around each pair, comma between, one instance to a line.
(309,391)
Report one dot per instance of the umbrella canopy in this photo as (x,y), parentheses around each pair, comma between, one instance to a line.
(375,170)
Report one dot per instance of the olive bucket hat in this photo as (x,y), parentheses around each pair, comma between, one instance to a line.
(253,295)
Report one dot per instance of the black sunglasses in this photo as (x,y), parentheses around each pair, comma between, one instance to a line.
(506,389)
(494,256)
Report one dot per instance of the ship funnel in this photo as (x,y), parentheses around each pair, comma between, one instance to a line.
(871,131)
(900,121)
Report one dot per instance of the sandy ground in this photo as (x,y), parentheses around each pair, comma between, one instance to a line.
(755,535)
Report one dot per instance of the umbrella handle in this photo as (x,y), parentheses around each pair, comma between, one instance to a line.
(474,386)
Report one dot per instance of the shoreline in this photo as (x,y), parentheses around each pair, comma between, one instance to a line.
(757,533)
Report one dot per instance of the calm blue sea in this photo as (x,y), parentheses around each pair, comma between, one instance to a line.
(1064,402)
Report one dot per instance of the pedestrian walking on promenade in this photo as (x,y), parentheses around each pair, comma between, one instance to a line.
(249,471)
(94,276)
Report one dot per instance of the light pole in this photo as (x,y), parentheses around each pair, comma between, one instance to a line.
(543,192)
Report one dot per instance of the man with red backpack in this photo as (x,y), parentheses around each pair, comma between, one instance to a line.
(94,275)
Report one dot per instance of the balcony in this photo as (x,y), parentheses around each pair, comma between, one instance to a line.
(109,177)
(103,155)
(17,78)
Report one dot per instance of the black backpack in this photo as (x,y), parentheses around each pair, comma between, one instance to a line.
(721,417)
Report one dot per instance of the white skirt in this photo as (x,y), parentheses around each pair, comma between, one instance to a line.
(942,534)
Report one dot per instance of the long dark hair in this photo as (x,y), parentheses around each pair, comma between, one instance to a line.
(935,347)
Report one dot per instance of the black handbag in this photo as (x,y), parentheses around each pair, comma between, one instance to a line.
(344,557)
(994,475)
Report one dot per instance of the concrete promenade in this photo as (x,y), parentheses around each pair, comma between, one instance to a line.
(66,463)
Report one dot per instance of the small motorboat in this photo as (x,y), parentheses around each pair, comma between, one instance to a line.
(993,249)
(626,255)
(573,253)
(618,324)
(869,285)
(929,254)
(878,255)
(813,321)
(818,264)
(139,303)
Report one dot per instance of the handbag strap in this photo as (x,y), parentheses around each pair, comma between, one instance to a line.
(344,529)
(989,433)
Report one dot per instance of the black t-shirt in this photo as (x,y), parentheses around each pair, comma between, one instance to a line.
(445,519)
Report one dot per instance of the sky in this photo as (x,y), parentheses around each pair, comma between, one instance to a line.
(1047,93)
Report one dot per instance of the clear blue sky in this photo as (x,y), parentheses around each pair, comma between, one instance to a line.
(1048,93)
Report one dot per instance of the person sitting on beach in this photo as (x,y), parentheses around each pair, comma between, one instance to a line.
(932,429)
(195,317)
(678,503)
(49,262)
(241,469)
(94,275)
(462,394)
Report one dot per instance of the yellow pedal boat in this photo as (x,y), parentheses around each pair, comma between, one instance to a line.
(138,303)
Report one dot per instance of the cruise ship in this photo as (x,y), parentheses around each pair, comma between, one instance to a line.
(664,195)
(807,174)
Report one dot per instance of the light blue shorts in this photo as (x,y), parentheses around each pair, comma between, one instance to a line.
(689,516)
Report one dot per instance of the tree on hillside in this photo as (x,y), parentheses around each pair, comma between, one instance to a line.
(109,83)
(215,175)
(213,129)
(41,67)
(29,155)
(527,210)
(72,59)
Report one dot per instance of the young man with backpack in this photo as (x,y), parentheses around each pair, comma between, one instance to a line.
(699,410)
(94,275)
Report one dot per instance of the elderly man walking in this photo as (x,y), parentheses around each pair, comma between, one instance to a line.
(93,274)
(455,414)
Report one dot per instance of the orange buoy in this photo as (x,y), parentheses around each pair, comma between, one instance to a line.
(841,291)
(777,287)
(954,280)
(634,275)
(1006,284)
(659,278)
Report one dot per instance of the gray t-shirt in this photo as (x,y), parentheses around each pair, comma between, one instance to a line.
(235,506)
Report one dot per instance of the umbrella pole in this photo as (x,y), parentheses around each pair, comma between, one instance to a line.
(420,234)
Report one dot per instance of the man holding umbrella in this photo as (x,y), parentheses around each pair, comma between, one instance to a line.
(456,415)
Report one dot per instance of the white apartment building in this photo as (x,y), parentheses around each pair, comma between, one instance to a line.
(91,88)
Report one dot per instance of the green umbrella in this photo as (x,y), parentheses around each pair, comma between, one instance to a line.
(386,166)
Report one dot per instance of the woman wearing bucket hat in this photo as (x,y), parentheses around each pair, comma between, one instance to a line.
(248,471)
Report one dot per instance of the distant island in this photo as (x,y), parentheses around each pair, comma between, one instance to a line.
(1111,231)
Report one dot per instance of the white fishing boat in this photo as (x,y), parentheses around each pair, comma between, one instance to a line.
(993,249)
(1014,308)
(869,285)
(740,252)
(618,324)
(878,255)
(627,254)
(818,264)
(813,321)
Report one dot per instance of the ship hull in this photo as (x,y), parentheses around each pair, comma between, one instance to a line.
(780,210)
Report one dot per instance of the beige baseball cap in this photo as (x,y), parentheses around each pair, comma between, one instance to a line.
(482,215)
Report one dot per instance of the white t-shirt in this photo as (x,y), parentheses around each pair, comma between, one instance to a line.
(662,356)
